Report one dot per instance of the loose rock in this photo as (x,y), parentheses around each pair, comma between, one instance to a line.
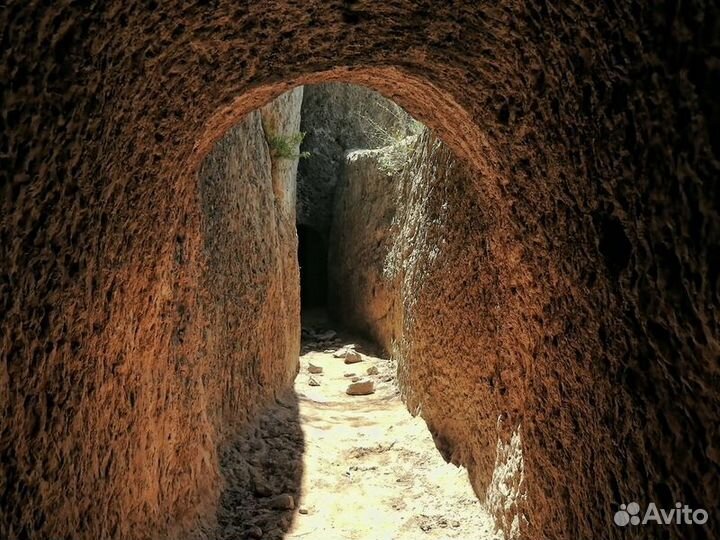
(349,374)
(353,357)
(312,368)
(361,388)
(372,370)
(282,502)
(313,382)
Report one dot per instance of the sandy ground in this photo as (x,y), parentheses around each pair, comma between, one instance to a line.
(356,467)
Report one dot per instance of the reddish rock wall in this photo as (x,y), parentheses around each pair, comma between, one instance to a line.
(131,432)
(251,343)
(591,129)
(416,264)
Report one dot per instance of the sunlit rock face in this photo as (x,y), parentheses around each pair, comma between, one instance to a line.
(337,118)
(408,248)
(373,240)
(250,279)
(589,136)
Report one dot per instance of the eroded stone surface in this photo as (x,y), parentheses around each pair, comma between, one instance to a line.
(590,211)
(337,118)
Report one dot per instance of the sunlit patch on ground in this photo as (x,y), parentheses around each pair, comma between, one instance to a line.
(369,469)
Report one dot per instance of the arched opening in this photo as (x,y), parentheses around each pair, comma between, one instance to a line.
(376,195)
(126,371)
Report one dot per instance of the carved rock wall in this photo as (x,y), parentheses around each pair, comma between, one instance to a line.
(337,118)
(591,131)
(140,397)
(412,265)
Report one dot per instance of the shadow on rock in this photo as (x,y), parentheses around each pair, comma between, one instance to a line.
(263,472)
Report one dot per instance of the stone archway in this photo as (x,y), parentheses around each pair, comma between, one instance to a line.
(569,121)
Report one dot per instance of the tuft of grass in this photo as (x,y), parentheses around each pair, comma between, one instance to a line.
(396,156)
(394,135)
(287,146)
(384,133)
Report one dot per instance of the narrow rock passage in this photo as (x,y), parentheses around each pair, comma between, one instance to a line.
(356,467)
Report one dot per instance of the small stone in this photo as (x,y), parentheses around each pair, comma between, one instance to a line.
(254,532)
(355,379)
(312,368)
(303,511)
(313,382)
(349,374)
(372,370)
(455,523)
(352,357)
(361,388)
(282,502)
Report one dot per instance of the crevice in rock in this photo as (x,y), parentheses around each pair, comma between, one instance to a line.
(313,260)
(364,218)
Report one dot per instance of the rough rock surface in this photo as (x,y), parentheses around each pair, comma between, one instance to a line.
(364,285)
(281,119)
(403,237)
(590,131)
(336,118)
(408,245)
(195,364)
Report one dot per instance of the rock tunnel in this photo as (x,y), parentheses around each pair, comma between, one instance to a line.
(579,321)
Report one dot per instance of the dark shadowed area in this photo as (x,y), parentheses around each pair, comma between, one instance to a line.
(313,260)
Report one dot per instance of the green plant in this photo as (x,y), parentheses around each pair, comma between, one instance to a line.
(287,146)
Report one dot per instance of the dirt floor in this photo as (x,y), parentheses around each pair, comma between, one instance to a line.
(327,465)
